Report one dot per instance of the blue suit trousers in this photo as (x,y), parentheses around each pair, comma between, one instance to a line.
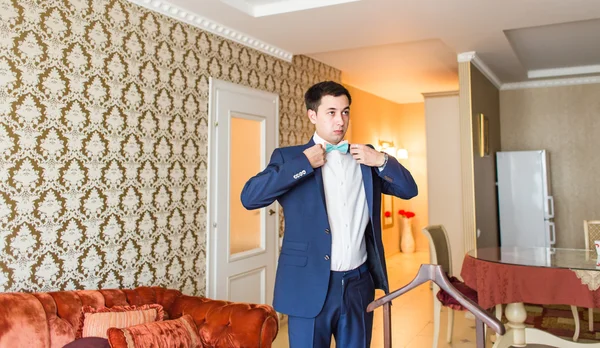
(344,314)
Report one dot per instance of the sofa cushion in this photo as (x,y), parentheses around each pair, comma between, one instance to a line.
(89,342)
(95,322)
(22,321)
(61,330)
(451,302)
(177,333)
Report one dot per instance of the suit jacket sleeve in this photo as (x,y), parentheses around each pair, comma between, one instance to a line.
(277,179)
(397,180)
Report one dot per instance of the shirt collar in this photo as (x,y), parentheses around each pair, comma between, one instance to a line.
(318,140)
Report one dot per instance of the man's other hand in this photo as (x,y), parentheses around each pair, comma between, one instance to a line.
(364,154)
(315,155)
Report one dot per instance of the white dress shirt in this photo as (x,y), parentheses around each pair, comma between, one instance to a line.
(346,208)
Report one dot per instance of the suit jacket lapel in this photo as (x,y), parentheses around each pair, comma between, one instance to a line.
(319,180)
(318,177)
(368,184)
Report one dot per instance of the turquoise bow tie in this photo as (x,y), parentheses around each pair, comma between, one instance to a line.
(341,147)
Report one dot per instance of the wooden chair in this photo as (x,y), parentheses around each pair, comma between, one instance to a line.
(440,254)
(591,229)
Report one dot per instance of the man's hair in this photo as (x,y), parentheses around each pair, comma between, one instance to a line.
(313,95)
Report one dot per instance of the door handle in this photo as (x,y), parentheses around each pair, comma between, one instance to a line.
(552,233)
(271,211)
(550,207)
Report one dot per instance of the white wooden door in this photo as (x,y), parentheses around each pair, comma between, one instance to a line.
(242,245)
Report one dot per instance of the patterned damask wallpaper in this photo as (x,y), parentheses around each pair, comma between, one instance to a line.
(103,141)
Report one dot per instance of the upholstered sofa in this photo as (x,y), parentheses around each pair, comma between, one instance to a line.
(51,319)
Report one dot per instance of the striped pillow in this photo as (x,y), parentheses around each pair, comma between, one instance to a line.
(95,322)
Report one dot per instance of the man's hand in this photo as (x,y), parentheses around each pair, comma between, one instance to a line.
(315,155)
(363,154)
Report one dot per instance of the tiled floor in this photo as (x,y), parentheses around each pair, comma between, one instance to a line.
(412,313)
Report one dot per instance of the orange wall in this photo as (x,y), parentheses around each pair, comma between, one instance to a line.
(372,119)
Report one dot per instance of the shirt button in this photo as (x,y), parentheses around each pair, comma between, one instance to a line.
(326,257)
(327,231)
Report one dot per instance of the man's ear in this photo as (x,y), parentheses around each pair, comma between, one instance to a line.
(312,116)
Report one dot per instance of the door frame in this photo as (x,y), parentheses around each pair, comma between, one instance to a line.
(211,182)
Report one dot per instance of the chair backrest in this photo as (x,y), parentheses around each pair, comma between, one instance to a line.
(439,247)
(591,228)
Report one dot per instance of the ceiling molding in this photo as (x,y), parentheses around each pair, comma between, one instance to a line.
(475,60)
(574,70)
(466,56)
(440,94)
(551,83)
(216,28)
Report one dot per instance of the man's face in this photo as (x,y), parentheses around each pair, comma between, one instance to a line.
(331,119)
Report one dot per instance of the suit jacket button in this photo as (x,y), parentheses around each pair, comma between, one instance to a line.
(327,231)
(326,257)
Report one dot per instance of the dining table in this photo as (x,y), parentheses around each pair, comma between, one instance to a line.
(513,276)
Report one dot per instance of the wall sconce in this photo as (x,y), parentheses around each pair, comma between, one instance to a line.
(402,154)
(388,147)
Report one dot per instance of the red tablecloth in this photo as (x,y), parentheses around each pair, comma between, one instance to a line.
(498,283)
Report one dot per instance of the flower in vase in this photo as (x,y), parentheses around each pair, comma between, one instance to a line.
(406,214)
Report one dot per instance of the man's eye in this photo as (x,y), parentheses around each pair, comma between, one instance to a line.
(346,113)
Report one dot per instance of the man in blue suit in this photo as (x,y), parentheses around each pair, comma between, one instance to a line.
(332,257)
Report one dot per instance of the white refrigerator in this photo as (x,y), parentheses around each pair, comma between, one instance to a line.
(525,202)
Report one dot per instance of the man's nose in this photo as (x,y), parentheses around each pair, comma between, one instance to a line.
(339,119)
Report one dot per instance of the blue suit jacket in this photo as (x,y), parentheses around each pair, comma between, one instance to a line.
(304,267)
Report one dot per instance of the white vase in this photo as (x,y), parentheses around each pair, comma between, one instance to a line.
(407,241)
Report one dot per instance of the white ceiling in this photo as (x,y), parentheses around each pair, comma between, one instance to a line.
(552,50)
(397,72)
(259,8)
(398,49)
